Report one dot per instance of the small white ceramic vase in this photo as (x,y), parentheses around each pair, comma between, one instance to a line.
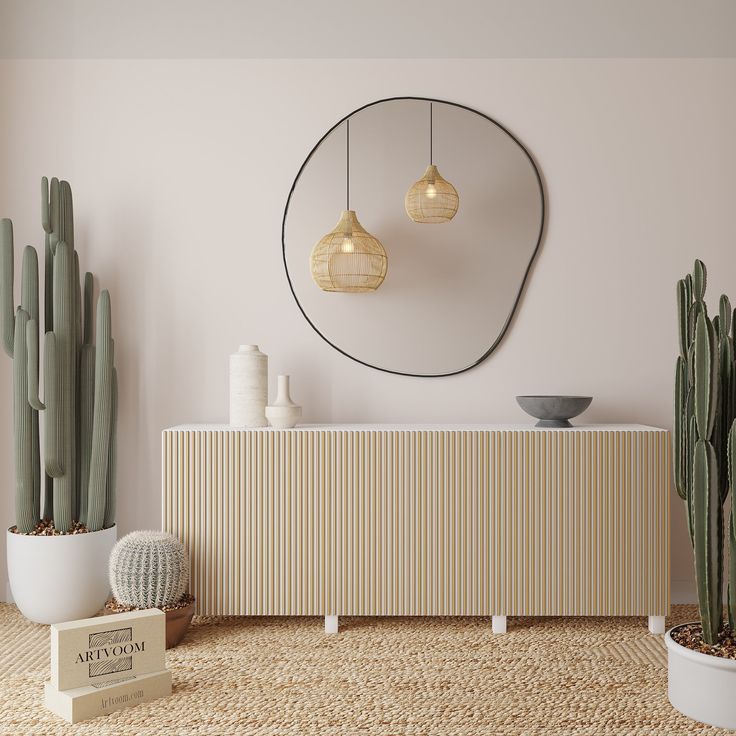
(248,387)
(283,413)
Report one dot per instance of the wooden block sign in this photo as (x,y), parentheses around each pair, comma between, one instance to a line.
(94,651)
(83,703)
(99,665)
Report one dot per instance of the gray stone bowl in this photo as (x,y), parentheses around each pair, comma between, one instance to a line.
(554,411)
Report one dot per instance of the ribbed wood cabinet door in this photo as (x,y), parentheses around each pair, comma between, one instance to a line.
(253,509)
(580,522)
(413,524)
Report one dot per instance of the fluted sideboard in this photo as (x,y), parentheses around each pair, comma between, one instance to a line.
(476,520)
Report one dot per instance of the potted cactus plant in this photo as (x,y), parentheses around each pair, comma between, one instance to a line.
(702,656)
(150,569)
(64,488)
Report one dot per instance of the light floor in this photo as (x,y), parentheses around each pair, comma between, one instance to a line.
(429,676)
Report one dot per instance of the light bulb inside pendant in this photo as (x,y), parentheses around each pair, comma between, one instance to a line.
(347,244)
(431,191)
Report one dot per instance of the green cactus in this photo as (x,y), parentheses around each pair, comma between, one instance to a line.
(691,439)
(54,429)
(695,309)
(725,414)
(32,347)
(708,525)
(73,438)
(706,368)
(683,303)
(7,270)
(732,531)
(53,212)
(48,306)
(29,303)
(26,508)
(64,505)
(88,300)
(705,409)
(700,280)
(86,416)
(112,460)
(149,570)
(680,431)
(97,493)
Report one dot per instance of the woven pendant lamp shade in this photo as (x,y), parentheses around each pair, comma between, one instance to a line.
(432,199)
(348,258)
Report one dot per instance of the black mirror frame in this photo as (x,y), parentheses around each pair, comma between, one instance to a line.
(525,277)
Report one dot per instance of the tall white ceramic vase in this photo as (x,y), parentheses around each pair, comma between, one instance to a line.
(248,387)
(283,413)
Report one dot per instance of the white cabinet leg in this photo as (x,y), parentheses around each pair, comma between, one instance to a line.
(498,624)
(330,624)
(656,624)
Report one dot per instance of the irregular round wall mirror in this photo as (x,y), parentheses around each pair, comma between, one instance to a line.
(409,232)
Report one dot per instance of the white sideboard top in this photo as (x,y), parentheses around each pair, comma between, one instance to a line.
(418,428)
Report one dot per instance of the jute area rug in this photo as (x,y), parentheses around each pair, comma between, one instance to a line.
(429,676)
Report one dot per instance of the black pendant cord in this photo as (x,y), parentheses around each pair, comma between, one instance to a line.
(431,135)
(347,166)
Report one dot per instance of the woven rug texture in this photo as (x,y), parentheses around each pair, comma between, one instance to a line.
(413,676)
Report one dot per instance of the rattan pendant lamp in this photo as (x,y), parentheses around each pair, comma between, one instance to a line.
(348,259)
(432,199)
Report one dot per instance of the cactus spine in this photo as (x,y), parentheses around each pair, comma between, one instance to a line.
(149,570)
(705,409)
(72,438)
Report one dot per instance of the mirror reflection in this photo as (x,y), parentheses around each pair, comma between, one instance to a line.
(409,233)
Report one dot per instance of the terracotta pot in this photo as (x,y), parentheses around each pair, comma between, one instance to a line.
(177,623)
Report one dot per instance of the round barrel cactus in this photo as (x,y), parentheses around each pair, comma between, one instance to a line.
(149,569)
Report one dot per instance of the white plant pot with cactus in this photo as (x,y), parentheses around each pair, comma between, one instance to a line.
(150,569)
(701,686)
(64,488)
(59,578)
(702,655)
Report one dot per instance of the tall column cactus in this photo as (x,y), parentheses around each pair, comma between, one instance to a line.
(732,531)
(27,511)
(102,419)
(79,380)
(705,409)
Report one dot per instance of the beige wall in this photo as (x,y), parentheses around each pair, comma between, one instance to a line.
(180,171)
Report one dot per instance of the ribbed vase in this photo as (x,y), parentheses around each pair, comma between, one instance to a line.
(248,387)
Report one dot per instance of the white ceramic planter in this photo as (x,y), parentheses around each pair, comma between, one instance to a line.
(63,578)
(701,686)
